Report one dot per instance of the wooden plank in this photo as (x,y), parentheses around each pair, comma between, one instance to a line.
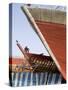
(48,15)
(55,35)
(59,57)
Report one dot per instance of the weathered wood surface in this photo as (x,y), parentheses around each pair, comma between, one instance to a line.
(55,35)
(48,15)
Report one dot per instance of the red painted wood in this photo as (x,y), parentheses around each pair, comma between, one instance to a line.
(55,35)
(16,60)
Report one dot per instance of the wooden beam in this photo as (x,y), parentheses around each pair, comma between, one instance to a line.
(37,30)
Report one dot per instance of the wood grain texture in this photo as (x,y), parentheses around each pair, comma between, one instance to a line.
(48,15)
(55,35)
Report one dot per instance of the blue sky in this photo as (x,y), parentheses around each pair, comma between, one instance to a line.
(24,33)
